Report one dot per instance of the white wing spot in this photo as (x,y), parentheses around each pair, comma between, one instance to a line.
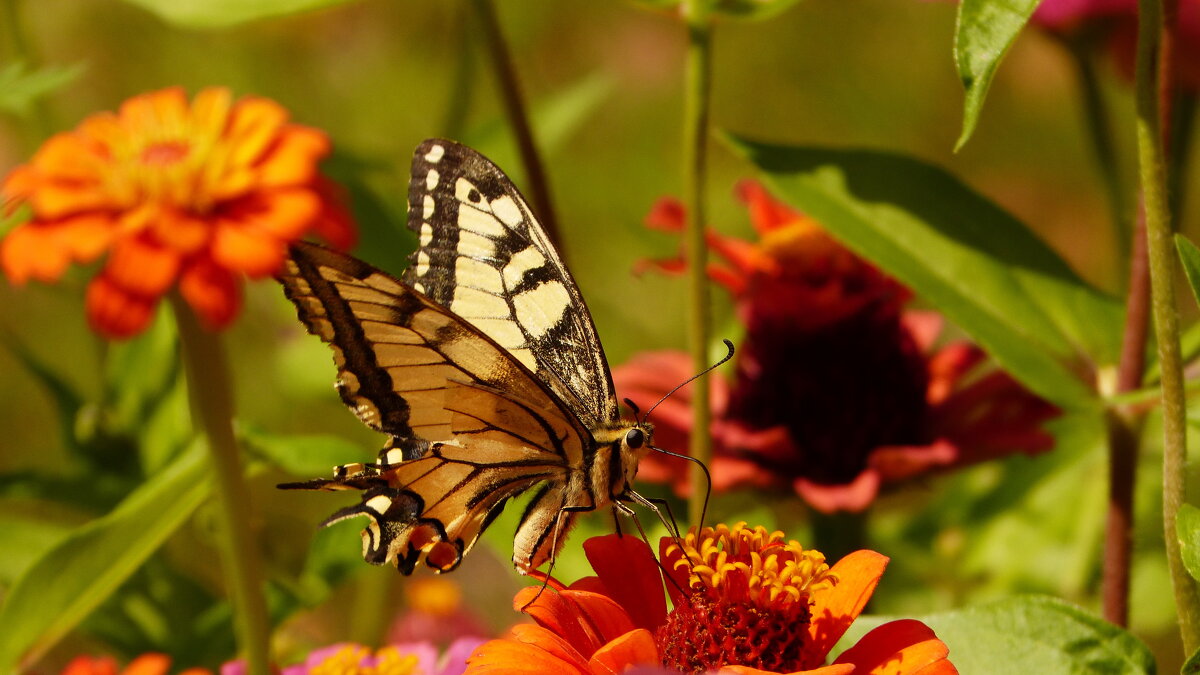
(507,210)
(475,245)
(422,263)
(471,303)
(541,308)
(426,234)
(480,222)
(431,179)
(379,504)
(435,154)
(428,205)
(519,264)
(419,287)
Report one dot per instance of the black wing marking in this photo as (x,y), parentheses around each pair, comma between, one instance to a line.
(483,256)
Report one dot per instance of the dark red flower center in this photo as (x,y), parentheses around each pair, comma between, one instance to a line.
(703,634)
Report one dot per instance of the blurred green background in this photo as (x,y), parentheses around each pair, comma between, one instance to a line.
(604,82)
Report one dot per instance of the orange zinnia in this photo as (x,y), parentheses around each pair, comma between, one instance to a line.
(193,194)
(745,601)
(146,664)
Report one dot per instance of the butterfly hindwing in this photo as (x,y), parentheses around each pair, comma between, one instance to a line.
(483,256)
(470,425)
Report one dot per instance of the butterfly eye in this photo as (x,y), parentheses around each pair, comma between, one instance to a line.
(635,438)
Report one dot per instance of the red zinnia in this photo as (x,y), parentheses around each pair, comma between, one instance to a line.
(194,194)
(838,388)
(745,601)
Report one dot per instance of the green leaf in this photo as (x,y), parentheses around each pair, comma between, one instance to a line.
(1190,256)
(20,87)
(1192,665)
(302,455)
(1187,528)
(225,13)
(67,401)
(751,10)
(979,265)
(139,372)
(984,32)
(83,569)
(1032,634)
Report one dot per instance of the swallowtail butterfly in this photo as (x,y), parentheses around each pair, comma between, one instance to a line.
(481,365)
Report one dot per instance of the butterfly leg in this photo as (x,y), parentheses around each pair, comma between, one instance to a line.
(563,516)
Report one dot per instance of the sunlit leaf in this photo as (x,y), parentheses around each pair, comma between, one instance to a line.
(20,87)
(1190,256)
(225,13)
(1031,634)
(985,31)
(83,569)
(983,268)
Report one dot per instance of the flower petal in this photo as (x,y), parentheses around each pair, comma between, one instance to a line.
(142,267)
(532,649)
(292,159)
(32,251)
(91,665)
(585,620)
(255,124)
(837,669)
(148,664)
(633,648)
(834,609)
(631,575)
(114,312)
(899,648)
(853,496)
(212,291)
(247,249)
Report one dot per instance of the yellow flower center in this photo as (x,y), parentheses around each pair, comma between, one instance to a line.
(434,595)
(752,565)
(358,660)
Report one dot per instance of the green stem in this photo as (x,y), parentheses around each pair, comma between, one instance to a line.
(1099,129)
(838,534)
(697,85)
(21,52)
(514,109)
(211,400)
(1152,168)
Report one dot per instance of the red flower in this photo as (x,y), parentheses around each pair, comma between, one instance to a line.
(176,193)
(146,664)
(745,601)
(838,389)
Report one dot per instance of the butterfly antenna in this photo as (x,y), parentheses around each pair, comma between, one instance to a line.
(707,480)
(688,381)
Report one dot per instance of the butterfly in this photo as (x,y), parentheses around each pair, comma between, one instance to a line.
(482,366)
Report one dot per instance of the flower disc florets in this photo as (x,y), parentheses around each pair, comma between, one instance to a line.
(747,600)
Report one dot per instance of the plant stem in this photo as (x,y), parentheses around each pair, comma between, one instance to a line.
(1099,128)
(697,85)
(1152,167)
(514,109)
(211,401)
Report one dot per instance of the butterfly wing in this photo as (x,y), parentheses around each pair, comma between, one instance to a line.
(483,256)
(470,426)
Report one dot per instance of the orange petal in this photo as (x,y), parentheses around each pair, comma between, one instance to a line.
(837,669)
(148,664)
(181,232)
(155,111)
(335,224)
(247,249)
(32,251)
(631,649)
(585,620)
(53,200)
(627,567)
(87,235)
(114,312)
(901,647)
(668,214)
(292,160)
(766,213)
(532,649)
(67,157)
(286,213)
(834,609)
(142,267)
(254,126)
(853,496)
(210,111)
(213,293)
(91,665)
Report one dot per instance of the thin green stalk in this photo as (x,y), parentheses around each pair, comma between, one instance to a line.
(211,401)
(518,119)
(697,85)
(20,52)
(1152,169)
(1099,129)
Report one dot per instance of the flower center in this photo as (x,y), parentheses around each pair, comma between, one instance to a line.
(358,660)
(165,153)
(748,600)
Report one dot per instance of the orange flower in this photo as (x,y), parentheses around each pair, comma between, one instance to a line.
(838,388)
(745,601)
(176,193)
(146,664)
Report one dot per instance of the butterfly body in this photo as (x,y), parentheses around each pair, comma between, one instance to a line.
(482,366)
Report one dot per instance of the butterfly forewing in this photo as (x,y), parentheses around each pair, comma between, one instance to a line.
(483,256)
